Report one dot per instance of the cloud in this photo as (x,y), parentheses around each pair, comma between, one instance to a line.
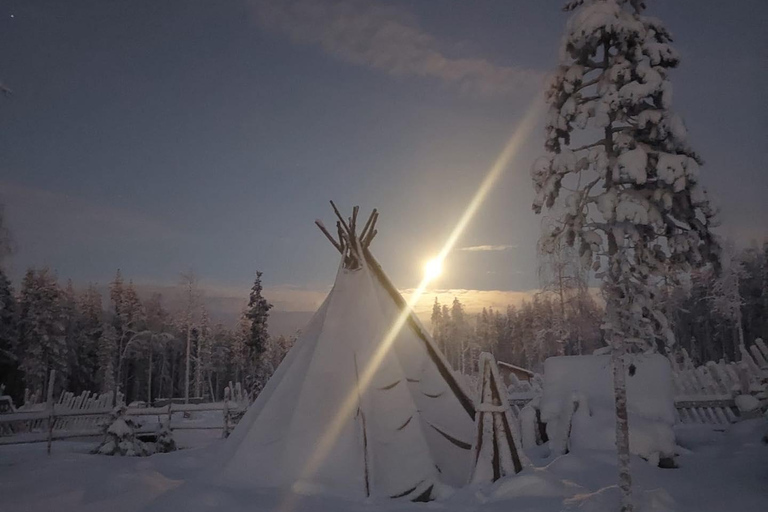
(389,39)
(294,305)
(295,299)
(38,212)
(283,297)
(487,248)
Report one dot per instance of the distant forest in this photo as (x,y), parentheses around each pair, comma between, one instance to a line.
(712,315)
(146,351)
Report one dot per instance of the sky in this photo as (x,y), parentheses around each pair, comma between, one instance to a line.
(157,137)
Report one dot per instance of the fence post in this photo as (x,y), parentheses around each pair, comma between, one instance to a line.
(51,417)
(225,432)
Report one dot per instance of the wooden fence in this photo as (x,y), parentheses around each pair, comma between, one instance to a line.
(706,393)
(703,394)
(84,416)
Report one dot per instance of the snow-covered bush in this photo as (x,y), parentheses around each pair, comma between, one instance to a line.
(165,442)
(120,436)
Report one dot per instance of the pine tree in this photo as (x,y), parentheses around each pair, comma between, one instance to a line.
(437,320)
(221,358)
(258,314)
(133,310)
(116,300)
(459,330)
(191,301)
(134,342)
(42,341)
(107,357)
(89,331)
(629,201)
(71,318)
(9,363)
(239,349)
(764,293)
(158,337)
(202,352)
(6,241)
(120,436)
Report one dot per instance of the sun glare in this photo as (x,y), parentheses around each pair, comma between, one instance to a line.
(433,269)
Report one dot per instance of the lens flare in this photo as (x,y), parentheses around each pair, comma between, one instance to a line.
(349,406)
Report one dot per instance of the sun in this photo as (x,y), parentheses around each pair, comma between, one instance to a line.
(433,269)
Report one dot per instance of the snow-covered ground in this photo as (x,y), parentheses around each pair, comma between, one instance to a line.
(719,472)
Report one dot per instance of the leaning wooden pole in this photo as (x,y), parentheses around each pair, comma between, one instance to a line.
(328,236)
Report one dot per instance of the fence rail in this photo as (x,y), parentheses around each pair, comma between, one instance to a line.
(84,416)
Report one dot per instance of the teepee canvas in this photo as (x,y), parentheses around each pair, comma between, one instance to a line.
(357,408)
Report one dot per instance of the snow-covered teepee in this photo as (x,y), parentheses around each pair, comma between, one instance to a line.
(359,407)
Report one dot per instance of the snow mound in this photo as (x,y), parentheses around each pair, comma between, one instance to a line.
(578,405)
(747,403)
(608,498)
(535,484)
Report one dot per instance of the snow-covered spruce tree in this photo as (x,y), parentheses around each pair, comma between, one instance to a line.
(106,353)
(257,314)
(189,318)
(90,328)
(622,177)
(202,352)
(165,442)
(120,436)
(9,363)
(42,343)
(437,320)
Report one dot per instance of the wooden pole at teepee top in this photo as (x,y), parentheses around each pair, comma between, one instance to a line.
(367,225)
(328,236)
(349,243)
(341,220)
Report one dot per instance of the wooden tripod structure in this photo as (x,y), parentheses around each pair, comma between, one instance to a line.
(351,246)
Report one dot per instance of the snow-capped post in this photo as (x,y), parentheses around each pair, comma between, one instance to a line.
(630,201)
(50,406)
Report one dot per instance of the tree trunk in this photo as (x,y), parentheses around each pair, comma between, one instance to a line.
(618,354)
(199,368)
(740,332)
(186,374)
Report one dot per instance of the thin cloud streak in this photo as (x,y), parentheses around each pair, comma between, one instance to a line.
(389,39)
(286,298)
